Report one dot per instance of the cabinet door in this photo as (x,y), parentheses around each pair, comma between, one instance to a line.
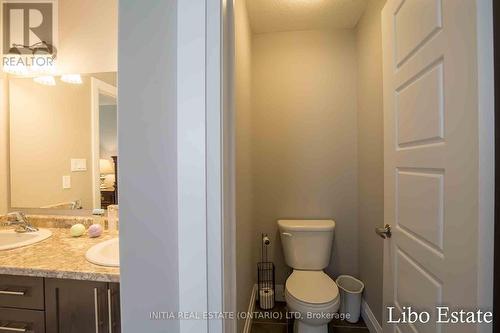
(114,307)
(73,306)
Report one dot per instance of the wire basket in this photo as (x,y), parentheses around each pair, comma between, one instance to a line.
(266,285)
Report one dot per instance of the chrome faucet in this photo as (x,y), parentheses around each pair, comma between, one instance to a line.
(21,221)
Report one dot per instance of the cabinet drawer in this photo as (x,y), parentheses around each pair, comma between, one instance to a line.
(21,321)
(21,292)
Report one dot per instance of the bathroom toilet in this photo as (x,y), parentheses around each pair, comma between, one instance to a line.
(308,290)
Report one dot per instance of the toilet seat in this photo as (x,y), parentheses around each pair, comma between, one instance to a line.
(312,288)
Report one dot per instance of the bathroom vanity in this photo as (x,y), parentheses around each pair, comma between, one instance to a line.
(49,287)
(37,305)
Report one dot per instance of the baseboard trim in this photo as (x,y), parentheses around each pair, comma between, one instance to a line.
(251,307)
(369,318)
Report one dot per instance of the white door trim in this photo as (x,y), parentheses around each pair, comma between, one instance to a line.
(228,174)
(251,308)
(369,318)
(201,214)
(486,106)
(191,163)
(214,161)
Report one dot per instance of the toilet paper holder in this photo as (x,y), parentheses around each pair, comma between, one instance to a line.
(265,277)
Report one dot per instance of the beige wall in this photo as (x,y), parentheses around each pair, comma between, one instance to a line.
(370,153)
(304,137)
(88,36)
(245,245)
(48,127)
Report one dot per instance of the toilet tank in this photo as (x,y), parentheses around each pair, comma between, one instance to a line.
(307,244)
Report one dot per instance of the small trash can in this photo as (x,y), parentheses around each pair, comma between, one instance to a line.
(350,297)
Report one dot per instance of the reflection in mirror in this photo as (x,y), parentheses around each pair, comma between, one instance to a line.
(63,142)
(108,152)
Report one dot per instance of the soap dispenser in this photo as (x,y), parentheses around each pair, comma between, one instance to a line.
(113,219)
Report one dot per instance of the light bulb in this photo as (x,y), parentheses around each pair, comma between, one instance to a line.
(16,65)
(46,80)
(72,78)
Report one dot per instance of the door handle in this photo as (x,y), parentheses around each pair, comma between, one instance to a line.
(12,292)
(12,329)
(384,232)
(96,310)
(110,312)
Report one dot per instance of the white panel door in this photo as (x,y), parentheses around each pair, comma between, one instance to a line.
(431,159)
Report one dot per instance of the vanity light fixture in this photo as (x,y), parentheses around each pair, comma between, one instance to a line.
(13,64)
(46,80)
(18,69)
(72,78)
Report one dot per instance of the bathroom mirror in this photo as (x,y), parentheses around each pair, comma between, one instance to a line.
(63,142)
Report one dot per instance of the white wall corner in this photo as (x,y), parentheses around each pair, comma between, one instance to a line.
(192,162)
(369,318)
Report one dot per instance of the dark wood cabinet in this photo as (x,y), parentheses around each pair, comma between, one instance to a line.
(114,307)
(75,306)
(108,198)
(21,304)
(38,305)
(24,292)
(20,320)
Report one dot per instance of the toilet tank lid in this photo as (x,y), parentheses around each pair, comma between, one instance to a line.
(307,225)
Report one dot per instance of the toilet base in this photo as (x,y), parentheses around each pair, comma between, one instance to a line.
(302,327)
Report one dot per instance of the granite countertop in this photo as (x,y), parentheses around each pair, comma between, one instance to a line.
(59,256)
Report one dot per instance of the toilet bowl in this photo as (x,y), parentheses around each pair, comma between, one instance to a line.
(315,296)
(308,290)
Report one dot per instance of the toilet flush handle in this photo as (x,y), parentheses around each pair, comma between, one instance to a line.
(286,234)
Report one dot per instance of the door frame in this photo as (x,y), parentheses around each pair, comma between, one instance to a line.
(227,118)
(487,164)
(496,46)
(201,158)
(172,151)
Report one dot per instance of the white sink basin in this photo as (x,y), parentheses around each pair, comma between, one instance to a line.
(105,253)
(9,239)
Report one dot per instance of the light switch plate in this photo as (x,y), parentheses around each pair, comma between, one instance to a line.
(78,164)
(66,182)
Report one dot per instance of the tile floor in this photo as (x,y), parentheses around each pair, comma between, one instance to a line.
(275,321)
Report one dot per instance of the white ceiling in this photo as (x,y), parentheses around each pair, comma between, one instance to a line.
(290,15)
